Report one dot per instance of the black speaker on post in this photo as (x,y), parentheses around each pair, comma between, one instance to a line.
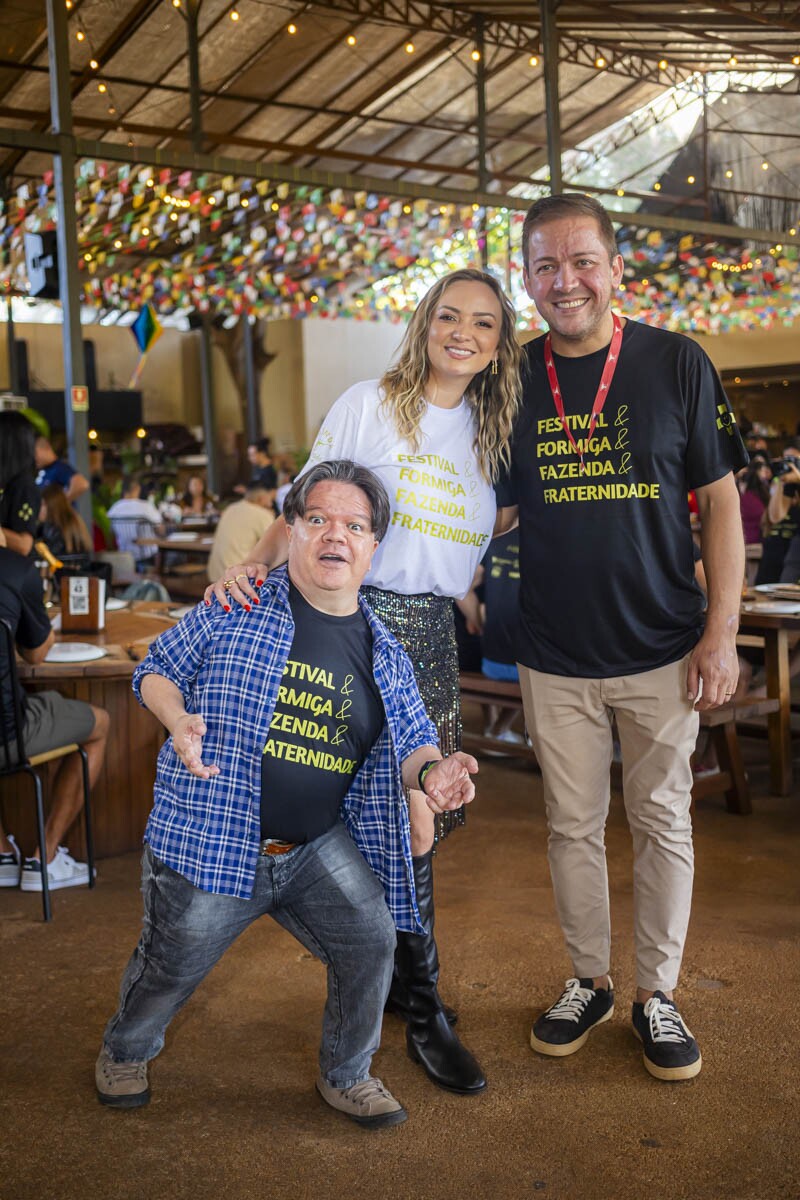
(41,264)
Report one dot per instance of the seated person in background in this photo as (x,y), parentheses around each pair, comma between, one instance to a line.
(53,469)
(196,501)
(19,495)
(240,527)
(783,513)
(501,601)
(260,458)
(294,732)
(753,484)
(62,528)
(133,519)
(49,720)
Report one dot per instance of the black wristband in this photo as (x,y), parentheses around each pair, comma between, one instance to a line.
(423,771)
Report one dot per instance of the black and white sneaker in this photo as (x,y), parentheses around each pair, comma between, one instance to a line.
(670,1051)
(10,865)
(565,1027)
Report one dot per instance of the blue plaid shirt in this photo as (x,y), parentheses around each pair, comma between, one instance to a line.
(228,668)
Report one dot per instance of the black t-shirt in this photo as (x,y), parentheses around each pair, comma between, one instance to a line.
(266,477)
(22,607)
(19,504)
(607,569)
(501,598)
(328,715)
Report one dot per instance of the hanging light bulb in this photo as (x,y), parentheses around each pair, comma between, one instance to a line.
(234,14)
(662,64)
(533,61)
(410,47)
(475,56)
(600,62)
(351,40)
(292,28)
(94,64)
(80,35)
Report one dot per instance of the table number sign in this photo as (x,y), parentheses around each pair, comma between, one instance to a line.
(83,603)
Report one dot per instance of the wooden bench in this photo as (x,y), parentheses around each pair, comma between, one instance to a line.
(501,693)
(730,780)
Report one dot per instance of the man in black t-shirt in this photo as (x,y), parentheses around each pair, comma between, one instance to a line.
(295,731)
(619,421)
(48,720)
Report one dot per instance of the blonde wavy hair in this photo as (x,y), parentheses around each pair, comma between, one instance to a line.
(494,398)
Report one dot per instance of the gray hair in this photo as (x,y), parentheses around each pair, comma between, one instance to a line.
(340,470)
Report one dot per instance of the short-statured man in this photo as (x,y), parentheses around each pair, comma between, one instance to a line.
(294,732)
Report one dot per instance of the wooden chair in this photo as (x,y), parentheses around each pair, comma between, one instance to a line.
(16,761)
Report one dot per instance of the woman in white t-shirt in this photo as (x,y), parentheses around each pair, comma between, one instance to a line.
(435,430)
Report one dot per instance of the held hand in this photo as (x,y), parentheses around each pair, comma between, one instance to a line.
(235,585)
(713,671)
(448,785)
(187,739)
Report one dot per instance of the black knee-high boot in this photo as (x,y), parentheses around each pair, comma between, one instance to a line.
(430,1038)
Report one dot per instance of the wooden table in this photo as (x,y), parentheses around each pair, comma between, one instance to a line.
(123,795)
(776,630)
(198,547)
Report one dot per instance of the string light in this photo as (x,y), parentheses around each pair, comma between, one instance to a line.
(291,28)
(690,178)
(533,61)
(765,166)
(151,182)
(620,191)
(111,110)
(410,47)
(792,233)
(92,435)
(656,187)
(101,87)
(600,62)
(245,202)
(475,56)
(796,60)
(406,209)
(351,40)
(733,61)
(69,4)
(94,64)
(80,35)
(141,432)
(117,244)
(729,174)
(176,3)
(87,257)
(145,232)
(234,14)
(662,64)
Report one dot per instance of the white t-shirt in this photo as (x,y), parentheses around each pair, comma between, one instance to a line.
(132,519)
(443,510)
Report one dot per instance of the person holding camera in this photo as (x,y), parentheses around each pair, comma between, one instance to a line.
(780,561)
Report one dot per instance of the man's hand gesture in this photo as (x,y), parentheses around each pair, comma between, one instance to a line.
(187,739)
(447,785)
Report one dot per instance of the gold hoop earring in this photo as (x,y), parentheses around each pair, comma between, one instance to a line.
(494,366)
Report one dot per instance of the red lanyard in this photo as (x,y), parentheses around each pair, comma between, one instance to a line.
(605,386)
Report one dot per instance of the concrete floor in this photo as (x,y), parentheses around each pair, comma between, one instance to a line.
(234,1113)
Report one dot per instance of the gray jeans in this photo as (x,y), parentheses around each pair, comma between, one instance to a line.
(323,893)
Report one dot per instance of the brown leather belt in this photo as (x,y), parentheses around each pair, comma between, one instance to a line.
(275,846)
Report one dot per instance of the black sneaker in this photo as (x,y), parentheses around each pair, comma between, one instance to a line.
(565,1027)
(670,1051)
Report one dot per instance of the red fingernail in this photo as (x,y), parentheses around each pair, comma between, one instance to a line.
(247,607)
(227,607)
(259,582)
(256,600)
(208,603)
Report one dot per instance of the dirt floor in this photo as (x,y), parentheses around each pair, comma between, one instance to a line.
(234,1112)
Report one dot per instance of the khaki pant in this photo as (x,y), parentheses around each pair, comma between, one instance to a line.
(569,721)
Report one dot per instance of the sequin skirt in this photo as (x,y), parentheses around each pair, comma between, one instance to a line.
(424,627)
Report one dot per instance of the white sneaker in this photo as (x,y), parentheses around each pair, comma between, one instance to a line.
(62,872)
(10,866)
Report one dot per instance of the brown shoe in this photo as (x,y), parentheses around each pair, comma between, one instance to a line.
(121,1084)
(367,1103)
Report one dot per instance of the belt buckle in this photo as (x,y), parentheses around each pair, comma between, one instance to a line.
(275,846)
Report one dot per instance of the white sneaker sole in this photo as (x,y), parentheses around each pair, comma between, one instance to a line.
(556,1050)
(671,1074)
(35,884)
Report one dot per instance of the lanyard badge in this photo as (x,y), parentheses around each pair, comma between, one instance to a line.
(603,389)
